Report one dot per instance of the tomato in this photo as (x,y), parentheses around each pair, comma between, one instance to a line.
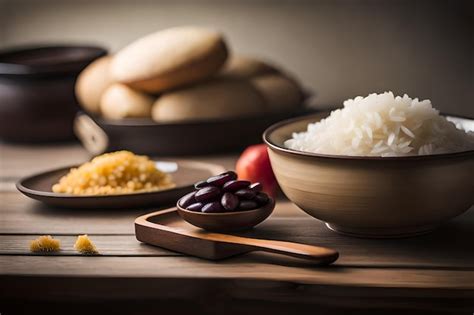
(254,165)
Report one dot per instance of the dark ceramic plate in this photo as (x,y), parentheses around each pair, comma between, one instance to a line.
(184,173)
(144,136)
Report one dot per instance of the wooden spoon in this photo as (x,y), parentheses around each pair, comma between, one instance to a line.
(320,255)
(166,229)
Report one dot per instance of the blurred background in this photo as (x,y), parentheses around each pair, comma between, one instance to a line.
(338,49)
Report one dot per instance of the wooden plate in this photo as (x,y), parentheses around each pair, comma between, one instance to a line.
(186,174)
(168,230)
(144,136)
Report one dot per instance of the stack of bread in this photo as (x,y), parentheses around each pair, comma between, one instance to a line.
(183,74)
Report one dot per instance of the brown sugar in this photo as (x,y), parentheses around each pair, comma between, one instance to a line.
(84,245)
(45,243)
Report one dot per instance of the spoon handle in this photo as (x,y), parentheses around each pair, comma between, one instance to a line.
(320,255)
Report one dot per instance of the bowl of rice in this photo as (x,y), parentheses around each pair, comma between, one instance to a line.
(381,166)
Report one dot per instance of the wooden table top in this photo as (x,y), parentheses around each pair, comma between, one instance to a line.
(430,272)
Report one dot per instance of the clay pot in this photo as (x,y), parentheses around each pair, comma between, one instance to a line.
(37,101)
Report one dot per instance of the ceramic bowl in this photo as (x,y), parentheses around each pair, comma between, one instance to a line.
(372,196)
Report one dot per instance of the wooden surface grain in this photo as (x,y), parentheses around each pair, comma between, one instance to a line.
(430,272)
(449,247)
(251,267)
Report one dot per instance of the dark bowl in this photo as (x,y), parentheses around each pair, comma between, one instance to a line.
(144,136)
(227,221)
(37,101)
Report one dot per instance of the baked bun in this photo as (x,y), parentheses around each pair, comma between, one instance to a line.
(169,59)
(247,67)
(281,93)
(120,101)
(92,82)
(215,99)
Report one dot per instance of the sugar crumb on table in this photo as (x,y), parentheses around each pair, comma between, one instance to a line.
(45,243)
(84,245)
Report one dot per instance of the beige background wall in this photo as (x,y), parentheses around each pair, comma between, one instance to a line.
(339,49)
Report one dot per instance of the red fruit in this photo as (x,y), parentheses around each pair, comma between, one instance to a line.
(254,165)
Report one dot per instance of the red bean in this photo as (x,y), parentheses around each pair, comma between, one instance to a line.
(235,185)
(212,207)
(187,200)
(207,193)
(247,205)
(257,187)
(231,174)
(195,207)
(201,184)
(220,180)
(261,198)
(245,194)
(229,201)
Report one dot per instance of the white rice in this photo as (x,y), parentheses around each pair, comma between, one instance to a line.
(383,125)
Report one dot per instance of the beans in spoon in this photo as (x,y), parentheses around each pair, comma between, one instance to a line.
(224,193)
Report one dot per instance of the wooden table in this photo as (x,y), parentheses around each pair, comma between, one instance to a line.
(434,272)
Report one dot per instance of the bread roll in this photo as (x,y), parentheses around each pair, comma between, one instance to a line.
(215,99)
(92,82)
(119,101)
(281,93)
(247,67)
(170,58)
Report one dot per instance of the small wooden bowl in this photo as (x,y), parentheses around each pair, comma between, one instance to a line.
(372,196)
(227,221)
